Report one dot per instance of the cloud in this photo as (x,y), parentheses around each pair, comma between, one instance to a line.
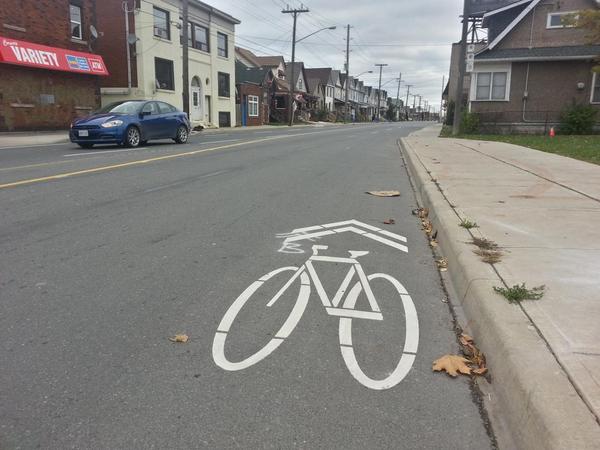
(412,37)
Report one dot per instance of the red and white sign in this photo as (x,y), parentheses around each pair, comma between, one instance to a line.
(29,54)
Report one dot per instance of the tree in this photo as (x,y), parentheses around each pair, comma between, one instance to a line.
(588,20)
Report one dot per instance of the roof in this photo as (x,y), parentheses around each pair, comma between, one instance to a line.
(540,53)
(248,55)
(245,74)
(313,84)
(513,24)
(322,73)
(216,12)
(298,67)
(477,8)
(270,61)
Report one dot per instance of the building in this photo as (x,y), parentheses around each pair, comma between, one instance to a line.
(156,54)
(253,93)
(533,66)
(49,70)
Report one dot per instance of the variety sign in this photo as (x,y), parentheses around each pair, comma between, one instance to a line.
(29,54)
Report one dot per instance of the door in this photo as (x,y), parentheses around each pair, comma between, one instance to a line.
(150,121)
(207,116)
(196,112)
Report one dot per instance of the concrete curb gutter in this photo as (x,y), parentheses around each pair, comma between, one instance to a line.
(538,402)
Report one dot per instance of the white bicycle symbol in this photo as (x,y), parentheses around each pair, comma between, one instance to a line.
(347,312)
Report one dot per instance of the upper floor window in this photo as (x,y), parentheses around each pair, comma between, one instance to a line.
(491,86)
(76,23)
(300,85)
(222,49)
(557,20)
(161,23)
(197,36)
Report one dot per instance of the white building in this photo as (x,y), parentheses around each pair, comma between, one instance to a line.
(158,55)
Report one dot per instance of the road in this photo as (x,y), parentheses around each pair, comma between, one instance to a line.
(106,253)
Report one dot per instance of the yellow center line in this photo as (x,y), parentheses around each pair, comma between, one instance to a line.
(138,162)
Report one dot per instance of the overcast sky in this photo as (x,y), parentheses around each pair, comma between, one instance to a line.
(411,36)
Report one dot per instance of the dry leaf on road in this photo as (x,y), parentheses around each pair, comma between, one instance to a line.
(182,338)
(442,264)
(389,221)
(384,193)
(452,364)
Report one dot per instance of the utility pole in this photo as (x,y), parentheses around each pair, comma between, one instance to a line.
(125,6)
(461,69)
(381,66)
(186,61)
(347,110)
(408,86)
(419,109)
(295,13)
(398,97)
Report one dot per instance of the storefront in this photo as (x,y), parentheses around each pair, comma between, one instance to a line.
(45,87)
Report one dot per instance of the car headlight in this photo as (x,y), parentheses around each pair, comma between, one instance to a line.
(112,123)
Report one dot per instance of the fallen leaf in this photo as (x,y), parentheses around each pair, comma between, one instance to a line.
(182,338)
(384,193)
(421,213)
(426,226)
(465,339)
(442,263)
(452,364)
(389,221)
(433,243)
(480,371)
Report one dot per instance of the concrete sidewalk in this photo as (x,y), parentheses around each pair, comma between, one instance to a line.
(33,138)
(543,210)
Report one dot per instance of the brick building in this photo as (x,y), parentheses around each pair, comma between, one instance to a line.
(48,70)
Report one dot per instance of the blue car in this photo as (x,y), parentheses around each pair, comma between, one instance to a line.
(131,123)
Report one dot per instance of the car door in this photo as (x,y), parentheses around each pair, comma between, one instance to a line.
(150,121)
(169,122)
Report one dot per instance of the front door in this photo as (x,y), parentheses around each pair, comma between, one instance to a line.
(207,117)
(196,107)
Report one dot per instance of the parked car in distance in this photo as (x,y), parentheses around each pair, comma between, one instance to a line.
(131,123)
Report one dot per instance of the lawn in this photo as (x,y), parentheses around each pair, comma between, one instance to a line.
(585,148)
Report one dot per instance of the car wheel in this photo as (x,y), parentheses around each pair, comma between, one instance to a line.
(182,135)
(86,145)
(132,137)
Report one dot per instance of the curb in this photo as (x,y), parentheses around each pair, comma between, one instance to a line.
(538,402)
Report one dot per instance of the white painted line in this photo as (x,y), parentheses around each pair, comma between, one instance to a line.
(310,235)
(35,145)
(353,313)
(94,153)
(404,248)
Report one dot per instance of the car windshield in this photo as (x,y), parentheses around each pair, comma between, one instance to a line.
(121,108)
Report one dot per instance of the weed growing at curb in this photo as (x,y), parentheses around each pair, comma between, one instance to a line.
(518,293)
(466,223)
(489,256)
(484,244)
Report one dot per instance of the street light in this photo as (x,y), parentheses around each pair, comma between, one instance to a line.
(381,66)
(294,41)
(362,73)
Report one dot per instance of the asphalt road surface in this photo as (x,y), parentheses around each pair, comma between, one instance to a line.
(106,253)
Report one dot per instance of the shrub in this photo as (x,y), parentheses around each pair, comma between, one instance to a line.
(469,123)
(578,119)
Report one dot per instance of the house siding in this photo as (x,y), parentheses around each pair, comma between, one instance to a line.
(532,31)
(552,86)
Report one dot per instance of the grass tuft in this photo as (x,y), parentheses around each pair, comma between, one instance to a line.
(518,293)
(484,244)
(489,256)
(466,223)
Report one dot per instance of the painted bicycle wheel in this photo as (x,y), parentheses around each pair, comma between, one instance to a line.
(411,340)
(288,326)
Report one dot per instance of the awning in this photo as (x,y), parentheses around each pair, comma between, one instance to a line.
(28,54)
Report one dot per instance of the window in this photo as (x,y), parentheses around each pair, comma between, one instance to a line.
(280,102)
(165,108)
(223,84)
(491,86)
(222,45)
(151,108)
(200,41)
(224,119)
(163,70)
(596,89)
(253,106)
(299,82)
(162,27)
(76,24)
(197,36)
(555,20)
